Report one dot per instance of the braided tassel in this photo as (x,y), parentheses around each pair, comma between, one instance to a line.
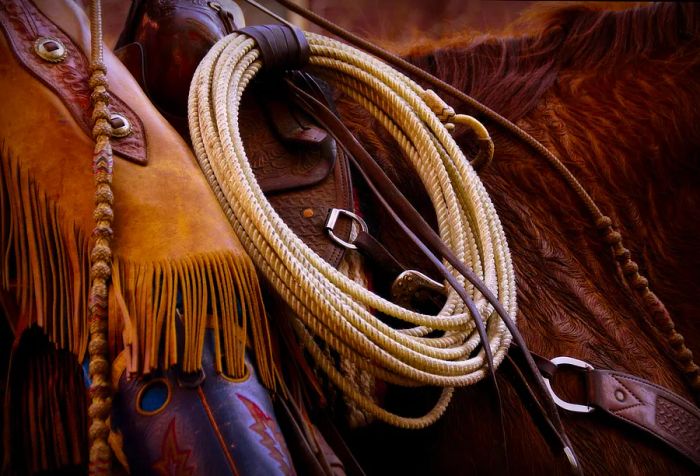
(663,322)
(100,258)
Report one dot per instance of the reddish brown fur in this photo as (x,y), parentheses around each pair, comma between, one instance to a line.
(614,95)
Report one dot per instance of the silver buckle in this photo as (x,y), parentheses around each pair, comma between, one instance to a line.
(332,219)
(572,407)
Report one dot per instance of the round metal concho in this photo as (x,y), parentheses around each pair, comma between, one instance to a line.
(50,49)
(121,127)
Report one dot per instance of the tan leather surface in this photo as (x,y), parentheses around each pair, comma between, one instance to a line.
(163,211)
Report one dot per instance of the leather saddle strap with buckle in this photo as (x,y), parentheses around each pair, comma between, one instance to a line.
(632,400)
(425,238)
(649,407)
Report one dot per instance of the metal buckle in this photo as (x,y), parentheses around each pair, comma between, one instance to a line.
(332,219)
(572,407)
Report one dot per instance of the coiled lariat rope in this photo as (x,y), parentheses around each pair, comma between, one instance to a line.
(100,455)
(661,319)
(330,306)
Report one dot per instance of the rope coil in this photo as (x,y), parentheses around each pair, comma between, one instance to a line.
(329,305)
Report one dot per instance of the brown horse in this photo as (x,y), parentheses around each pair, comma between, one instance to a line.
(613,94)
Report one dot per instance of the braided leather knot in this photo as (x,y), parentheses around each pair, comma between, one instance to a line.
(622,254)
(103,230)
(102,127)
(100,111)
(630,269)
(98,66)
(685,355)
(101,270)
(613,237)
(98,79)
(100,252)
(676,340)
(103,212)
(98,347)
(100,96)
(97,302)
(103,173)
(104,194)
(100,455)
(640,282)
(603,223)
(98,366)
(98,429)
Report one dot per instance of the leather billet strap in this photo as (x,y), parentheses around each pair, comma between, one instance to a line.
(281,47)
(634,401)
(23,24)
(434,249)
(649,407)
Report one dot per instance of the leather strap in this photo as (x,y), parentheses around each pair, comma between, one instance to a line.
(381,258)
(649,407)
(282,47)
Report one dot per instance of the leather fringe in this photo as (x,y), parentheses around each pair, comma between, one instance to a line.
(44,264)
(213,290)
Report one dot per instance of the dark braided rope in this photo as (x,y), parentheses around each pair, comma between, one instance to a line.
(661,319)
(100,406)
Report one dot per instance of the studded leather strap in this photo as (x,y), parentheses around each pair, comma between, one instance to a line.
(23,24)
(649,407)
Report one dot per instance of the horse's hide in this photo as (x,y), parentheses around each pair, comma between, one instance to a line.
(614,95)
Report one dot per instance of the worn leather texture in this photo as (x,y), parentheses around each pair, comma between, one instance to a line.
(649,407)
(302,181)
(66,78)
(213,427)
